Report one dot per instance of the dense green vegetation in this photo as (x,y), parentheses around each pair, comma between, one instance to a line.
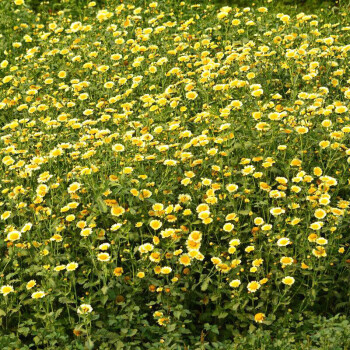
(174,174)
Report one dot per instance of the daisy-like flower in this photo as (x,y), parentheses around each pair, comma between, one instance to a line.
(249,169)
(118,271)
(253,286)
(155,224)
(84,309)
(259,317)
(117,210)
(103,257)
(288,280)
(185,260)
(38,295)
(74,187)
(60,268)
(191,95)
(86,232)
(6,290)
(277,211)
(235,283)
(284,241)
(31,284)
(286,260)
(14,236)
(118,147)
(72,266)
(165,270)
(104,246)
(319,252)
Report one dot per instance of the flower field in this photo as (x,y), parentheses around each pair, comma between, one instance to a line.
(173,175)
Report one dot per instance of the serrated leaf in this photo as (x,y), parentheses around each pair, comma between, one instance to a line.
(65,300)
(102,205)
(205,284)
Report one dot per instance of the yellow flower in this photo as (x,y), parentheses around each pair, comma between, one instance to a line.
(60,268)
(282,242)
(257,93)
(103,257)
(192,245)
(155,224)
(118,271)
(301,129)
(5,215)
(72,266)
(195,236)
(185,260)
(31,284)
(286,260)
(235,283)
(86,232)
(155,257)
(83,96)
(84,309)
(118,147)
(253,286)
(259,317)
(288,280)
(277,211)
(228,227)
(165,270)
(117,210)
(258,221)
(75,186)
(319,252)
(320,213)
(70,217)
(231,188)
(7,79)
(191,95)
(321,241)
(249,249)
(14,236)
(38,295)
(5,290)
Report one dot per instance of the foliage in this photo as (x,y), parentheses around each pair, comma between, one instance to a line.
(173,175)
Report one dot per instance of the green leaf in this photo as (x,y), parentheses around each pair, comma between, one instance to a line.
(120,345)
(214,329)
(89,344)
(104,290)
(102,205)
(171,327)
(24,330)
(177,314)
(124,330)
(65,300)
(132,332)
(58,312)
(252,328)
(205,284)
(104,299)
